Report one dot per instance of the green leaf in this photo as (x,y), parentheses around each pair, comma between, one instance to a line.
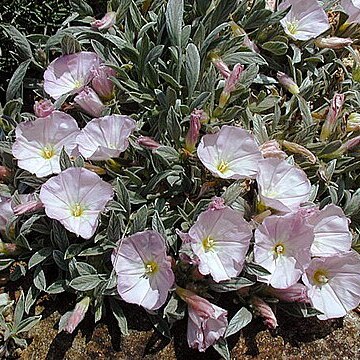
(81,7)
(16,80)
(123,195)
(65,161)
(305,111)
(255,269)
(39,278)
(231,285)
(244,58)
(140,220)
(233,191)
(173,125)
(5,263)
(31,297)
(160,324)
(192,68)
(86,282)
(19,310)
(20,41)
(119,316)
(240,320)
(27,324)
(174,19)
(114,228)
(56,287)
(158,225)
(40,256)
(275,47)
(69,45)
(222,348)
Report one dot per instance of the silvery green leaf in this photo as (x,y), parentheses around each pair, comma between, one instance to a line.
(39,278)
(31,297)
(246,57)
(19,310)
(119,316)
(222,348)
(40,256)
(27,324)
(231,285)
(192,67)
(174,19)
(20,41)
(238,321)
(57,287)
(69,45)
(59,259)
(5,263)
(85,282)
(139,220)
(16,81)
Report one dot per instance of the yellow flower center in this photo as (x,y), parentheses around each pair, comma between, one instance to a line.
(78,84)
(77,210)
(151,268)
(223,166)
(208,243)
(293,27)
(279,249)
(320,277)
(47,152)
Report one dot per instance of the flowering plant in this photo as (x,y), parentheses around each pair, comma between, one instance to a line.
(182,153)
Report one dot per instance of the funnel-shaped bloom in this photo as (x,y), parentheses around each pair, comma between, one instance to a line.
(305,20)
(282,246)
(334,284)
(75,198)
(220,239)
(39,143)
(232,153)
(206,323)
(282,186)
(352,8)
(69,73)
(101,82)
(106,137)
(331,230)
(143,270)
(89,102)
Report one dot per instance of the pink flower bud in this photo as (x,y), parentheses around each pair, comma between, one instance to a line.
(288,83)
(4,173)
(336,106)
(8,249)
(264,311)
(353,122)
(148,143)
(221,66)
(238,31)
(217,203)
(77,315)
(194,131)
(43,108)
(333,43)
(294,293)
(101,82)
(106,22)
(89,102)
(230,84)
(271,149)
(299,149)
(27,207)
(352,143)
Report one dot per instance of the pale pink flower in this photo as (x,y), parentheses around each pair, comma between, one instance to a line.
(282,187)
(288,83)
(43,108)
(206,322)
(39,143)
(75,198)
(106,137)
(294,293)
(333,43)
(69,73)
(264,310)
(143,270)
(220,239)
(231,153)
(272,149)
(6,211)
(331,231)
(352,8)
(305,20)
(192,135)
(282,246)
(89,102)
(335,108)
(72,319)
(101,82)
(107,21)
(334,284)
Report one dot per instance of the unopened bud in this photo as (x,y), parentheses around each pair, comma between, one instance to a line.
(89,101)
(299,149)
(27,207)
(353,122)
(220,65)
(294,293)
(333,42)
(272,149)
(288,83)
(77,315)
(101,82)
(106,22)
(264,311)
(4,173)
(335,109)
(8,249)
(148,143)
(238,31)
(230,84)
(43,108)
(217,203)
(192,135)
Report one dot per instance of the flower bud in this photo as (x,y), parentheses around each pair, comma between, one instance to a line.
(148,143)
(27,207)
(333,43)
(238,31)
(76,316)
(43,108)
(4,173)
(336,106)
(217,203)
(230,84)
(8,249)
(89,102)
(194,131)
(264,311)
(272,149)
(106,22)
(220,65)
(294,293)
(101,82)
(353,122)
(288,83)
(299,149)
